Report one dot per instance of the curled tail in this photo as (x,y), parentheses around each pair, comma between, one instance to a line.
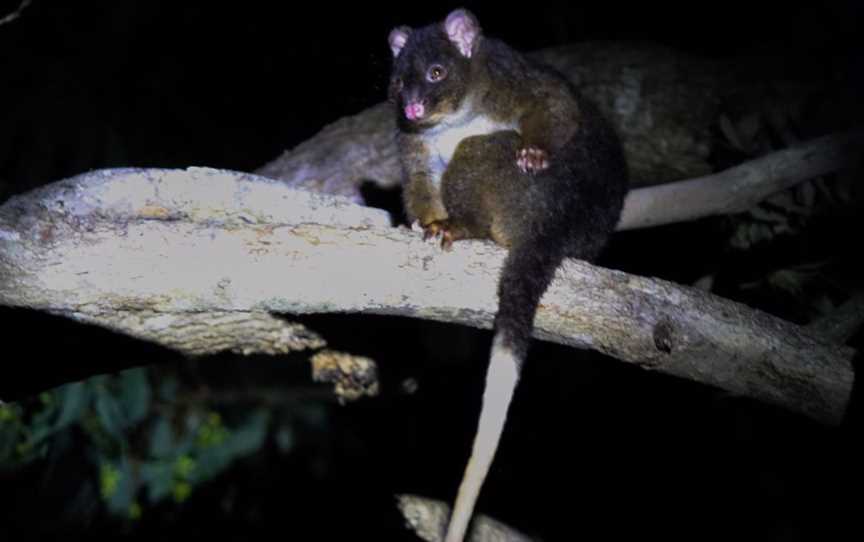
(527,272)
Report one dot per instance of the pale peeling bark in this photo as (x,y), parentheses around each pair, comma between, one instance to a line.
(353,377)
(123,247)
(741,187)
(428,518)
(42,232)
(202,333)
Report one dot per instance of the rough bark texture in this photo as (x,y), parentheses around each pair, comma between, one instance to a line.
(843,323)
(117,248)
(43,230)
(343,155)
(428,518)
(353,377)
(211,332)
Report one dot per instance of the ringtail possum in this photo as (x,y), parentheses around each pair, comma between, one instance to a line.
(496,146)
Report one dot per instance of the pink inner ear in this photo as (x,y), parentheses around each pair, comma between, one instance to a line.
(397,41)
(462,30)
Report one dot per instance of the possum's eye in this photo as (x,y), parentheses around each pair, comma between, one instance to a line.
(436,73)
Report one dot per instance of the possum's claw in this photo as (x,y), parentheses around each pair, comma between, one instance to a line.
(532,159)
(442,229)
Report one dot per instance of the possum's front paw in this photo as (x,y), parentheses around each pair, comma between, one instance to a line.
(442,229)
(532,159)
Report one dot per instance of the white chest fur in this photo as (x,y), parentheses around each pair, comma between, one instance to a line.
(443,140)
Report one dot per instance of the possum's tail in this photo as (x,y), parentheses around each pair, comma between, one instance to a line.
(527,272)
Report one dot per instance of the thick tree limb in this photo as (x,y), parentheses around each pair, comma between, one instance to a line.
(104,203)
(15,14)
(210,332)
(339,158)
(739,188)
(205,241)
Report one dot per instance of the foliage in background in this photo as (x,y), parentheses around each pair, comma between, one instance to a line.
(782,251)
(144,440)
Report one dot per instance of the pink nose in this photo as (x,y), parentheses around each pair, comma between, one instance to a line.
(414,110)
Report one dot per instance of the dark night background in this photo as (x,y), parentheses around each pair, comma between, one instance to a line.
(595,449)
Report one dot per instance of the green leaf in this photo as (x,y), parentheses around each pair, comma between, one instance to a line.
(249,437)
(110,414)
(44,418)
(162,439)
(211,432)
(158,479)
(73,399)
(40,430)
(8,414)
(168,387)
(10,431)
(117,487)
(134,394)
(183,467)
(211,462)
(243,440)
(181,491)
(109,479)
(9,435)
(135,511)
(285,438)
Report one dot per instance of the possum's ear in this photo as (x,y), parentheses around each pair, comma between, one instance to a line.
(398,38)
(463,30)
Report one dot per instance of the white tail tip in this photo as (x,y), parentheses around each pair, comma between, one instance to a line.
(501,379)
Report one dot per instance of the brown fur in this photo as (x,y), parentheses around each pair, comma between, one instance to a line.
(502,149)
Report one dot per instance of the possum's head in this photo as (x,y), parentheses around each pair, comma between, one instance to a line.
(432,68)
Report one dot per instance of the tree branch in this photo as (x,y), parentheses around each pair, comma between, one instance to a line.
(428,518)
(843,323)
(739,188)
(164,244)
(15,14)
(733,190)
